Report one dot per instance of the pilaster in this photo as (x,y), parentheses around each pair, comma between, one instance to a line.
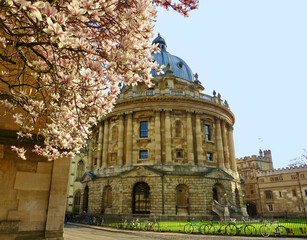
(129,141)
(190,151)
(168,138)
(219,144)
(199,140)
(232,156)
(105,143)
(99,147)
(120,145)
(225,145)
(157,136)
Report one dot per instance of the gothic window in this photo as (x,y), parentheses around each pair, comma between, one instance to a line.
(114,133)
(80,169)
(268,194)
(143,154)
(141,200)
(178,129)
(207,132)
(77,198)
(107,197)
(144,129)
(85,199)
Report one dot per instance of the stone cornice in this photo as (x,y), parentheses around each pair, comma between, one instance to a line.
(186,103)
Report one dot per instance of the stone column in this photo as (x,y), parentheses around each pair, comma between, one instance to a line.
(120,144)
(190,148)
(105,143)
(225,145)
(232,156)
(219,144)
(199,140)
(129,139)
(168,140)
(99,146)
(157,136)
(90,155)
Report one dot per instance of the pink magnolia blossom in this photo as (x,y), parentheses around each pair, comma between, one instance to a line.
(61,62)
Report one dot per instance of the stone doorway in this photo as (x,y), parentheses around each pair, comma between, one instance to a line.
(218,193)
(182,200)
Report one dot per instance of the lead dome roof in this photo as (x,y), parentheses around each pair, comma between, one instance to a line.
(178,66)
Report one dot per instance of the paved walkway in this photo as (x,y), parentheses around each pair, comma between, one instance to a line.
(74,231)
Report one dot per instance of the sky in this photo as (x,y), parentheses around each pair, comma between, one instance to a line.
(253,52)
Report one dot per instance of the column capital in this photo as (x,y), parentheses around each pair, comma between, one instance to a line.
(167,109)
(199,112)
(157,109)
(129,113)
(119,115)
(190,111)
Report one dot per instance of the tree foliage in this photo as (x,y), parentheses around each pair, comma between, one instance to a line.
(299,161)
(61,62)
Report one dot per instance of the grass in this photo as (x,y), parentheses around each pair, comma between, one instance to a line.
(295,227)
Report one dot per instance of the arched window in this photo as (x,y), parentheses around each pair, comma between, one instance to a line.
(178,129)
(141,200)
(107,198)
(77,198)
(80,169)
(237,196)
(114,133)
(85,199)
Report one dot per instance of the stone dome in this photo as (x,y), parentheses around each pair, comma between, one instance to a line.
(178,66)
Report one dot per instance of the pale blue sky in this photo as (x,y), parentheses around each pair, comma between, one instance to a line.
(254,52)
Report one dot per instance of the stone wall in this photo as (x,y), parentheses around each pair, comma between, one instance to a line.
(33,192)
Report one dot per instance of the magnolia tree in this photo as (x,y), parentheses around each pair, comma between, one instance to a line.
(61,63)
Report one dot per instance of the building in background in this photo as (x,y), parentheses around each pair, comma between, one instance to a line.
(78,167)
(273,192)
(164,150)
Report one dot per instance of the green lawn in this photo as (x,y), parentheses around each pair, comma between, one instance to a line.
(295,227)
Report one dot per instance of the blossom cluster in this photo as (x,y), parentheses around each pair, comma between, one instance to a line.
(63,62)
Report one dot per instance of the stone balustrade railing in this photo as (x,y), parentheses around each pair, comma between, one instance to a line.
(170,92)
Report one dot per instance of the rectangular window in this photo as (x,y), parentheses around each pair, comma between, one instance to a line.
(268,194)
(270,206)
(294,193)
(179,153)
(207,132)
(302,176)
(143,154)
(144,129)
(293,177)
(305,192)
(280,194)
(252,191)
(209,156)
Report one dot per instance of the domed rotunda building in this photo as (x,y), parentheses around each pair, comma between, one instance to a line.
(164,151)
